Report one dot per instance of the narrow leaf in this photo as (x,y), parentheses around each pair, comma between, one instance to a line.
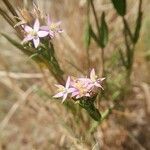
(103,32)
(138,23)
(120,6)
(93,35)
(26,51)
(87,35)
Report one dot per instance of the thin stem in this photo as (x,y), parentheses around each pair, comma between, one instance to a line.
(6,17)
(126,26)
(95,15)
(88,58)
(10,8)
(88,20)
(103,62)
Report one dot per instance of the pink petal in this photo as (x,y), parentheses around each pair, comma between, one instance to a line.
(51,34)
(36,25)
(92,74)
(36,42)
(27,38)
(60,94)
(45,28)
(101,79)
(70,90)
(28,29)
(68,82)
(59,86)
(64,97)
(74,94)
(42,33)
(98,85)
(87,94)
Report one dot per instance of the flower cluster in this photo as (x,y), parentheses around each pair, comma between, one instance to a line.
(80,87)
(37,32)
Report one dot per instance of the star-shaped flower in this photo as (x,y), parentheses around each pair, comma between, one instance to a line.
(64,90)
(34,34)
(52,28)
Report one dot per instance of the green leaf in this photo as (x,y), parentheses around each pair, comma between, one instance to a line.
(88,105)
(120,6)
(26,50)
(138,24)
(103,32)
(87,35)
(18,45)
(93,35)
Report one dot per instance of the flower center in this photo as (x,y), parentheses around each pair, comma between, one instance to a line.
(53,26)
(33,33)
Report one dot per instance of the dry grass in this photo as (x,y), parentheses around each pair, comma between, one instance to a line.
(31,119)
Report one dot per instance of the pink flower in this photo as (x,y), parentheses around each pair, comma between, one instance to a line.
(52,28)
(34,33)
(81,89)
(64,90)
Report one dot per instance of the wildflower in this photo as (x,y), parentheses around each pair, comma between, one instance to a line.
(52,27)
(34,33)
(64,90)
(81,89)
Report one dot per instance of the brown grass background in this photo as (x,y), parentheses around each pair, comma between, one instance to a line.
(31,120)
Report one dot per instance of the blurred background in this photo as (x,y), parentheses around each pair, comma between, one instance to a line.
(30,119)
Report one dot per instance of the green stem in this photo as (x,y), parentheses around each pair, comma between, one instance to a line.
(103,62)
(88,20)
(95,15)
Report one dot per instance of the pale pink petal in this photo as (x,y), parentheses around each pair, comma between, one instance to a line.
(42,33)
(36,42)
(27,38)
(92,74)
(64,97)
(101,79)
(70,90)
(97,84)
(51,34)
(45,28)
(36,25)
(59,86)
(87,94)
(74,94)
(68,82)
(28,29)
(60,94)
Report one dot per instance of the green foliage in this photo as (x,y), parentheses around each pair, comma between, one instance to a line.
(120,6)
(87,35)
(138,24)
(103,32)
(88,105)
(18,45)
(94,36)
